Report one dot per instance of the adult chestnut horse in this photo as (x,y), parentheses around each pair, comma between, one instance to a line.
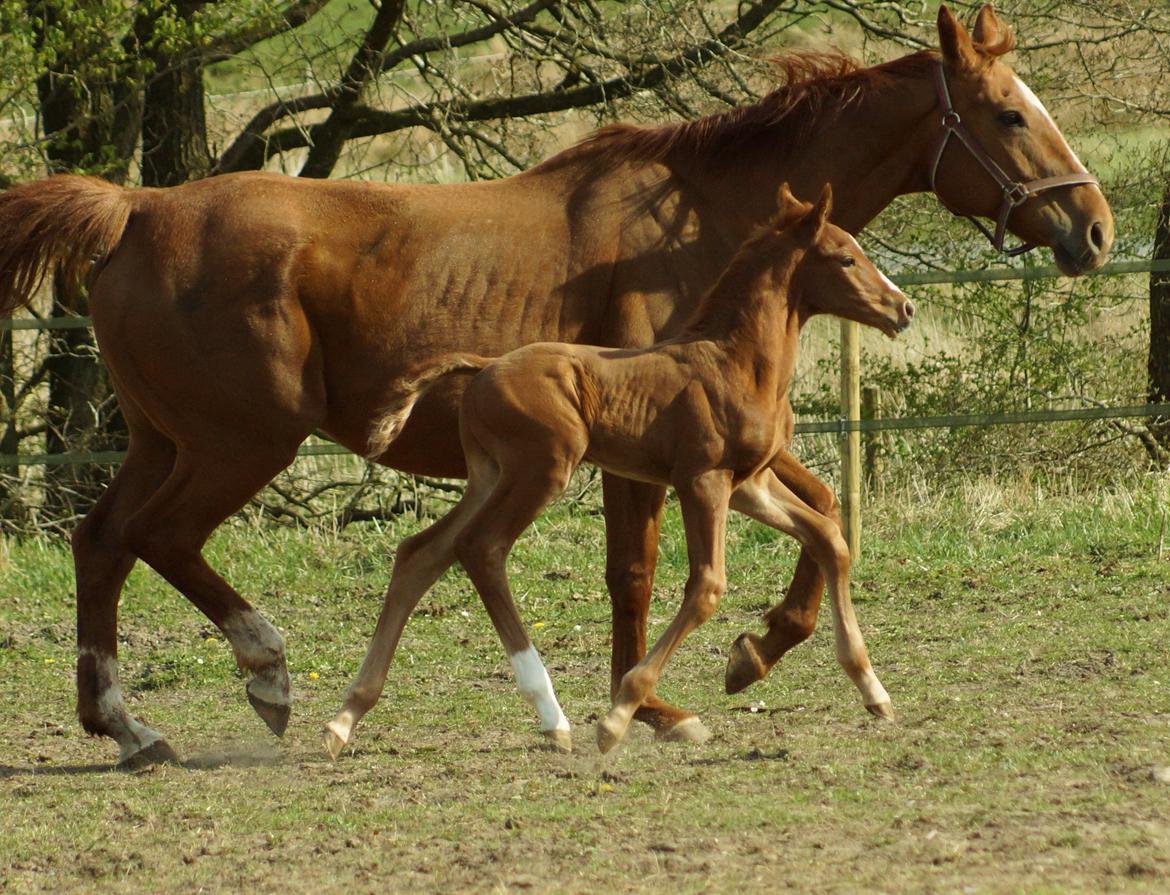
(239,314)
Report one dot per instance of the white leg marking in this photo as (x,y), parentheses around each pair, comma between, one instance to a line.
(254,640)
(259,648)
(130,735)
(536,686)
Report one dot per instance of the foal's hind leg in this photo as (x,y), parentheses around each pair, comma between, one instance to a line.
(101,562)
(420,561)
(793,620)
(767,500)
(704,508)
(169,532)
(524,489)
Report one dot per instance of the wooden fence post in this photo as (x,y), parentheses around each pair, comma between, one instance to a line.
(851,440)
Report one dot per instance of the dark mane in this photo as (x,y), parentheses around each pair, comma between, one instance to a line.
(814,86)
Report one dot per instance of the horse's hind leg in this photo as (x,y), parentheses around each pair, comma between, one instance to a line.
(169,532)
(102,561)
(420,561)
(523,490)
(766,499)
(633,515)
(794,619)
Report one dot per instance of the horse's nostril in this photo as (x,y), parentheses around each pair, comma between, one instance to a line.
(909,308)
(1097,237)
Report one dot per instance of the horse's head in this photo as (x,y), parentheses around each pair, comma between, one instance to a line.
(833,275)
(1000,155)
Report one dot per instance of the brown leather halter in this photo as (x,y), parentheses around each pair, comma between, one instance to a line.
(1014,192)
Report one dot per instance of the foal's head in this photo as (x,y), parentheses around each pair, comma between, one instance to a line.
(832,273)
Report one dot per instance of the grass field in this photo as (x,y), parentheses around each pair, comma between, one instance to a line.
(1021,635)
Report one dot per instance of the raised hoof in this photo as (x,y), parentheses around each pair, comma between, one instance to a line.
(688,730)
(275,716)
(158,752)
(609,734)
(883,710)
(559,740)
(744,665)
(334,741)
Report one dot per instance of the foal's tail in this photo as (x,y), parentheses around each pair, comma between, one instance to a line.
(68,220)
(406,391)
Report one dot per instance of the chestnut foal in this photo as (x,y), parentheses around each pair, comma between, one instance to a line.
(706,413)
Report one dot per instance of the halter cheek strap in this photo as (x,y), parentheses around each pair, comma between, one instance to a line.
(1014,192)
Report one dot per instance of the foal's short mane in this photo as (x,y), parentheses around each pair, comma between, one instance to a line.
(729,295)
(814,86)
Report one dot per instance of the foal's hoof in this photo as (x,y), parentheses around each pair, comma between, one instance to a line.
(559,740)
(609,734)
(274,714)
(334,740)
(744,665)
(688,730)
(883,710)
(158,752)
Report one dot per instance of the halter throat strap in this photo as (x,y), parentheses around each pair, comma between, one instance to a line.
(1014,192)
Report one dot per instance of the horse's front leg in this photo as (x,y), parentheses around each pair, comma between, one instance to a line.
(766,499)
(633,516)
(704,508)
(794,619)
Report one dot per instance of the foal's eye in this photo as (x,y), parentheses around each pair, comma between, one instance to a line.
(1011,118)
(848,261)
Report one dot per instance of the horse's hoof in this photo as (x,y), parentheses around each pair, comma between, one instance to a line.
(744,665)
(158,752)
(274,715)
(334,740)
(559,740)
(609,734)
(883,710)
(688,730)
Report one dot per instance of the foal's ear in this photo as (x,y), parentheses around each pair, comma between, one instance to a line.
(814,222)
(991,35)
(955,42)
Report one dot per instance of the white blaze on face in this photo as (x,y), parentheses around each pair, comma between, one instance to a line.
(536,686)
(886,281)
(1033,102)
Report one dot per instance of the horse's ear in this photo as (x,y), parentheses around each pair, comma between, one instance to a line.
(990,34)
(788,208)
(955,42)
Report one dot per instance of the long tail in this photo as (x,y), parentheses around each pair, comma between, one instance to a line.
(405,392)
(68,220)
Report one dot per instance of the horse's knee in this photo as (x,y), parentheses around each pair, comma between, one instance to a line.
(629,584)
(704,591)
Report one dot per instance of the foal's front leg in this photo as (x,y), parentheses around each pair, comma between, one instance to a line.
(766,499)
(704,508)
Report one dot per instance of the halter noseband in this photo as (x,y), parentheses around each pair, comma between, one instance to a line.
(1014,192)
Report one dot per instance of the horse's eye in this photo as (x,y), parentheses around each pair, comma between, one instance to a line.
(848,261)
(1011,118)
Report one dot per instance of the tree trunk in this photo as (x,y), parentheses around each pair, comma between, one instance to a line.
(91,124)
(1158,364)
(174,125)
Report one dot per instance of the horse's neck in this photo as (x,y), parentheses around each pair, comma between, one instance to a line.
(871,151)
